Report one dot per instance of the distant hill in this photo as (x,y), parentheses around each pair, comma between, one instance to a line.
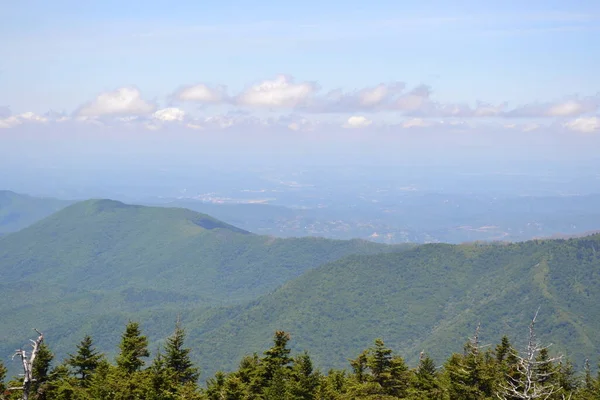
(100,262)
(417,217)
(429,298)
(18,211)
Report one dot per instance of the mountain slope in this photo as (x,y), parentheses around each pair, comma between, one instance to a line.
(105,260)
(431,297)
(18,211)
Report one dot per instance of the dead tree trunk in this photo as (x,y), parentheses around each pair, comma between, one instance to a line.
(28,377)
(528,385)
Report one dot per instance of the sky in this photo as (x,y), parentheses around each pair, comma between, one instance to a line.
(456,80)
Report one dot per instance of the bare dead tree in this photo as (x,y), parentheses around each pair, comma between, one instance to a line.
(529,381)
(28,377)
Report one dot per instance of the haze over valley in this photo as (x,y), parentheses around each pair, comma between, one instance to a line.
(314,200)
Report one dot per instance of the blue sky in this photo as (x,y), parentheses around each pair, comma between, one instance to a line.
(506,69)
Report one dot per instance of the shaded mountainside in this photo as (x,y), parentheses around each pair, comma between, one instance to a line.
(97,263)
(18,211)
(429,298)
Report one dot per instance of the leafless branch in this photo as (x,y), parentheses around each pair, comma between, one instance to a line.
(28,364)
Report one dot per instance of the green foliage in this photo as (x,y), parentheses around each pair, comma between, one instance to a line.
(3,371)
(429,297)
(108,262)
(18,211)
(378,374)
(133,347)
(177,358)
(85,361)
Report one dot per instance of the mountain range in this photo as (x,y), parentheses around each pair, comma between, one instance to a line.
(94,265)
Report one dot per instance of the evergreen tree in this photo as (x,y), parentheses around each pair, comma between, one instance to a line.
(3,371)
(250,375)
(275,367)
(378,372)
(567,380)
(277,357)
(359,367)
(85,361)
(133,347)
(333,386)
(425,383)
(178,358)
(503,350)
(162,382)
(215,387)
(304,379)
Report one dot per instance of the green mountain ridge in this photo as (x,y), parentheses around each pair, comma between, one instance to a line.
(98,263)
(429,298)
(94,265)
(18,210)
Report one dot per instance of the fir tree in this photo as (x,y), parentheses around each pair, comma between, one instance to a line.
(3,371)
(304,379)
(277,357)
(133,347)
(178,358)
(85,361)
(503,350)
(162,381)
(425,380)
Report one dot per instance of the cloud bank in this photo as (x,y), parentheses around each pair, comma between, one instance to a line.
(297,105)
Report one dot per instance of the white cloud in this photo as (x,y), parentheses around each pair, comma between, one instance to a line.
(357,121)
(584,125)
(488,110)
(169,114)
(413,100)
(530,127)
(123,101)
(201,93)
(27,117)
(375,98)
(280,92)
(195,126)
(295,123)
(416,123)
(219,122)
(568,108)
(370,97)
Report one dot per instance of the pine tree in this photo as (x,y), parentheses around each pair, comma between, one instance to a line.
(277,357)
(85,361)
(304,379)
(161,378)
(178,358)
(215,387)
(378,372)
(380,362)
(133,347)
(503,350)
(425,380)
(3,371)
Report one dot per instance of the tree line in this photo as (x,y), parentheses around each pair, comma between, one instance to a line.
(377,373)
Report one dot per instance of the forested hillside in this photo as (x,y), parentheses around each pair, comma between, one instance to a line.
(97,263)
(431,297)
(18,210)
